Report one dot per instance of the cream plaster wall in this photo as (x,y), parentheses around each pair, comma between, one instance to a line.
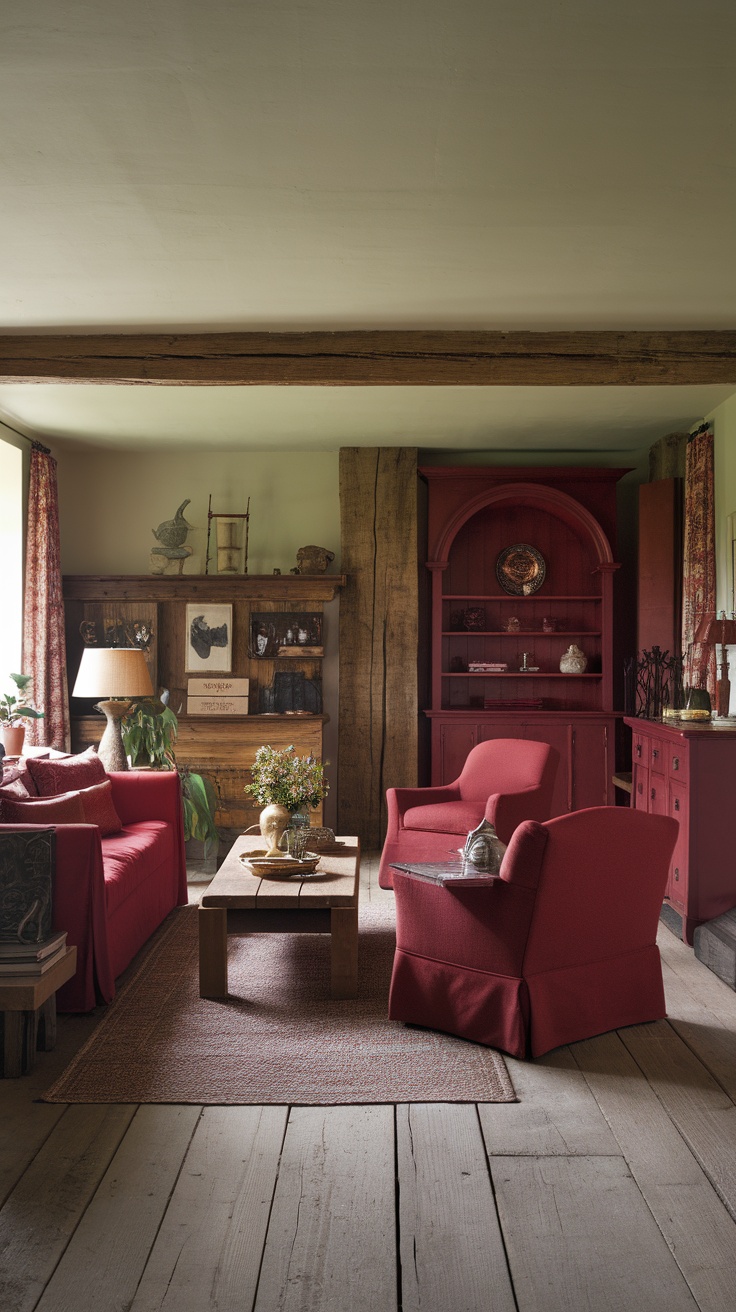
(110,501)
(724,428)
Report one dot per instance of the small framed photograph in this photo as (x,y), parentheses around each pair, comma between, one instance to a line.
(209,639)
(286,633)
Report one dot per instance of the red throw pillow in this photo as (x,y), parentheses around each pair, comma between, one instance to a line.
(67,772)
(99,808)
(14,790)
(19,774)
(64,810)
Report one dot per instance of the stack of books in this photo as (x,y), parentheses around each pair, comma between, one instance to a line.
(31,958)
(487,667)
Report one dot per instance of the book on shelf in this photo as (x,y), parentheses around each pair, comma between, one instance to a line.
(17,966)
(15,950)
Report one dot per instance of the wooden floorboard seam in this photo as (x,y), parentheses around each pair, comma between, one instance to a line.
(502,1233)
(171,1192)
(270,1209)
(397,1217)
(702,1058)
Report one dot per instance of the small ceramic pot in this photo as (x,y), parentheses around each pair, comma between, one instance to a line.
(574,660)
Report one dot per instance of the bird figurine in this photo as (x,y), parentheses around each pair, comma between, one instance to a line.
(173,532)
(172,536)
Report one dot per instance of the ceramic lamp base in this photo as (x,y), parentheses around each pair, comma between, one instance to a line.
(111,750)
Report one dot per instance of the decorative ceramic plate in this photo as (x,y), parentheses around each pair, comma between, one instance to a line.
(521,569)
(280,867)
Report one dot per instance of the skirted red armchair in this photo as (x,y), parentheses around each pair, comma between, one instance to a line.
(559,948)
(504,780)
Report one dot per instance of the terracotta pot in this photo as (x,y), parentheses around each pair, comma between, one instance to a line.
(272,821)
(13,738)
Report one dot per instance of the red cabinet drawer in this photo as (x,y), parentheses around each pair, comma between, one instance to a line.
(657,794)
(678,766)
(657,756)
(640,749)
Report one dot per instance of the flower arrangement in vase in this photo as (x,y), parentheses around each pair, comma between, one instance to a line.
(14,711)
(284,784)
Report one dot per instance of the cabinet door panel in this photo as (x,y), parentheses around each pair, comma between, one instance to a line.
(592,764)
(557,735)
(455,742)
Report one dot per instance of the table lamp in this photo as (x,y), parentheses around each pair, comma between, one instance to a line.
(117,674)
(717,631)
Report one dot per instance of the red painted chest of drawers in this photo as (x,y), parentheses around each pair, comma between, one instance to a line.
(689,772)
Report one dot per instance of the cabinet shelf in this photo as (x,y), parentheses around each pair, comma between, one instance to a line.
(520,633)
(509,597)
(513,674)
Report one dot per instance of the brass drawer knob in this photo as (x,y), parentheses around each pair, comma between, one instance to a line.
(675,762)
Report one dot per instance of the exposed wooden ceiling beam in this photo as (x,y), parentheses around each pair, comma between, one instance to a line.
(376,358)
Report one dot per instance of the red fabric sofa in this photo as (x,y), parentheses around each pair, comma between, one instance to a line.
(504,781)
(111,893)
(561,947)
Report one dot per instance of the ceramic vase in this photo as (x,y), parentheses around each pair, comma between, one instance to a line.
(574,660)
(273,822)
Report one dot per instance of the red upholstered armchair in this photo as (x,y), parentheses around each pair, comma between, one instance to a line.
(505,781)
(561,947)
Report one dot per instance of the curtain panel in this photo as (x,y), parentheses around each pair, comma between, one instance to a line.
(699,559)
(44,647)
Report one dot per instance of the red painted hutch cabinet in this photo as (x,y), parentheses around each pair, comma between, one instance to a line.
(567,517)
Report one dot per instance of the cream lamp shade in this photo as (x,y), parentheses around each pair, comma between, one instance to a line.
(116,674)
(113,672)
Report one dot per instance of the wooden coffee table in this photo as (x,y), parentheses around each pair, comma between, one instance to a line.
(239,902)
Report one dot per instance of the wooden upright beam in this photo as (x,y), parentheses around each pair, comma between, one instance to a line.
(379,635)
(377,358)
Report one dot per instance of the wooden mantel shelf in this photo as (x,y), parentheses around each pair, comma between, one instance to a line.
(202,587)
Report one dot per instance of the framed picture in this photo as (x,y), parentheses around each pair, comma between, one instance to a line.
(209,639)
(286,633)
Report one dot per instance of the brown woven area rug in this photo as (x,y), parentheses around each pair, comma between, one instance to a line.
(278,1038)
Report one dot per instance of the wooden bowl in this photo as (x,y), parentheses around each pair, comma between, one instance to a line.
(280,867)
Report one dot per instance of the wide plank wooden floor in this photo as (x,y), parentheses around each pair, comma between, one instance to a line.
(610,1185)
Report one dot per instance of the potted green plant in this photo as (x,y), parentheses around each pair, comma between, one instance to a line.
(149,732)
(286,785)
(14,711)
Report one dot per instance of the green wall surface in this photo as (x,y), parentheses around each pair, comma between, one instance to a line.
(109,503)
(724,429)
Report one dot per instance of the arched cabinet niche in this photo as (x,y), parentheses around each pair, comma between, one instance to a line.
(564,521)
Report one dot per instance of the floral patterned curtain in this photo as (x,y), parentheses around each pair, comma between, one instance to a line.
(44,648)
(699,564)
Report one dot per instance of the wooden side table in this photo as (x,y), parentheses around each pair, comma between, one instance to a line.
(28,1007)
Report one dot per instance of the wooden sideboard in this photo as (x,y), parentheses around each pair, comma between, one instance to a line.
(688,772)
(218,746)
(223,748)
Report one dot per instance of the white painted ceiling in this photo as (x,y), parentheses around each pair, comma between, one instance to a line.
(296,164)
